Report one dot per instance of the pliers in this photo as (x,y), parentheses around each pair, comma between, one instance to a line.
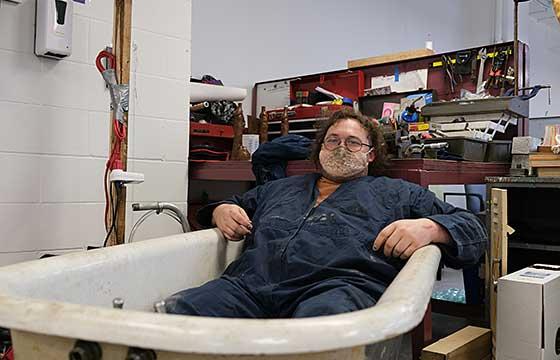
(448,65)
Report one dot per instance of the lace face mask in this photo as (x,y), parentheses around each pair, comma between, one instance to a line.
(341,164)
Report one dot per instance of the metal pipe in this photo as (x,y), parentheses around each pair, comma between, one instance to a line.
(145,216)
(159,207)
(200,106)
(138,223)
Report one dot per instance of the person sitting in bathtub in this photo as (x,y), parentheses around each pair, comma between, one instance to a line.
(330,242)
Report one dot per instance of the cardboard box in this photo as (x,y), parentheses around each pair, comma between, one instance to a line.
(466,344)
(528,317)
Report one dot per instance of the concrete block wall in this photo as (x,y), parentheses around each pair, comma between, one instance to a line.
(54,126)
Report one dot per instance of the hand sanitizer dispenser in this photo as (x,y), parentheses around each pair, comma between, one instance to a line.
(53,30)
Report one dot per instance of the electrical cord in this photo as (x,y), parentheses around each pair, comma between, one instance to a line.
(113,218)
(105,63)
(106,196)
(114,161)
(108,167)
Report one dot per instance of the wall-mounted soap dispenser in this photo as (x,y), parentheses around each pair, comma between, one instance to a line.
(53,29)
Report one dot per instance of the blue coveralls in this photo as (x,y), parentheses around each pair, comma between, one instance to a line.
(302,261)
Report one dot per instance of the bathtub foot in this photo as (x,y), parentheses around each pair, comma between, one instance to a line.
(85,350)
(140,354)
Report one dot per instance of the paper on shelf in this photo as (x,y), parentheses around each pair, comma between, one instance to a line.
(407,81)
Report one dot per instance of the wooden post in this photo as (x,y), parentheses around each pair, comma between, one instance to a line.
(556,6)
(285,125)
(498,251)
(121,48)
(254,124)
(263,129)
(238,125)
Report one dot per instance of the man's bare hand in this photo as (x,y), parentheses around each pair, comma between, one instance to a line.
(232,221)
(403,237)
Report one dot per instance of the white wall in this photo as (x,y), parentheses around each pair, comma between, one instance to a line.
(544,45)
(539,28)
(54,126)
(245,41)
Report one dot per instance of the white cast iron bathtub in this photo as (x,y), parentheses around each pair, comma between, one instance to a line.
(48,304)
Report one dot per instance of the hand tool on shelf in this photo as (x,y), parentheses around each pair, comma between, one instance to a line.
(483,55)
(411,113)
(463,63)
(474,62)
(449,69)
(534,91)
(412,149)
(502,79)
(495,73)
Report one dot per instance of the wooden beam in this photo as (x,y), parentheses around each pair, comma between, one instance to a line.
(122,39)
(121,48)
(468,343)
(382,59)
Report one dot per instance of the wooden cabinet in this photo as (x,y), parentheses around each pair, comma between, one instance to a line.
(531,210)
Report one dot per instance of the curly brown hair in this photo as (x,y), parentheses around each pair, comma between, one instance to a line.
(374,131)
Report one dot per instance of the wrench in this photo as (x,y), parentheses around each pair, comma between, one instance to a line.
(483,56)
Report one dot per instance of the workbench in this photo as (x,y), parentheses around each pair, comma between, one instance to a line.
(423,172)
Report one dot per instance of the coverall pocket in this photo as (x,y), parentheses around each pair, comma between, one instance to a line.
(279,223)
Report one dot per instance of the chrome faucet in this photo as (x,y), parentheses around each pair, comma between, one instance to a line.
(159,207)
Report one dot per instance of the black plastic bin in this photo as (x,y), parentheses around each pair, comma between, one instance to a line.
(464,148)
(499,151)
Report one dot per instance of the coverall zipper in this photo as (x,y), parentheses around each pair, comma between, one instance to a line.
(307,214)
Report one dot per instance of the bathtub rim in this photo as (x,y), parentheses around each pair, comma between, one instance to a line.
(401,307)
